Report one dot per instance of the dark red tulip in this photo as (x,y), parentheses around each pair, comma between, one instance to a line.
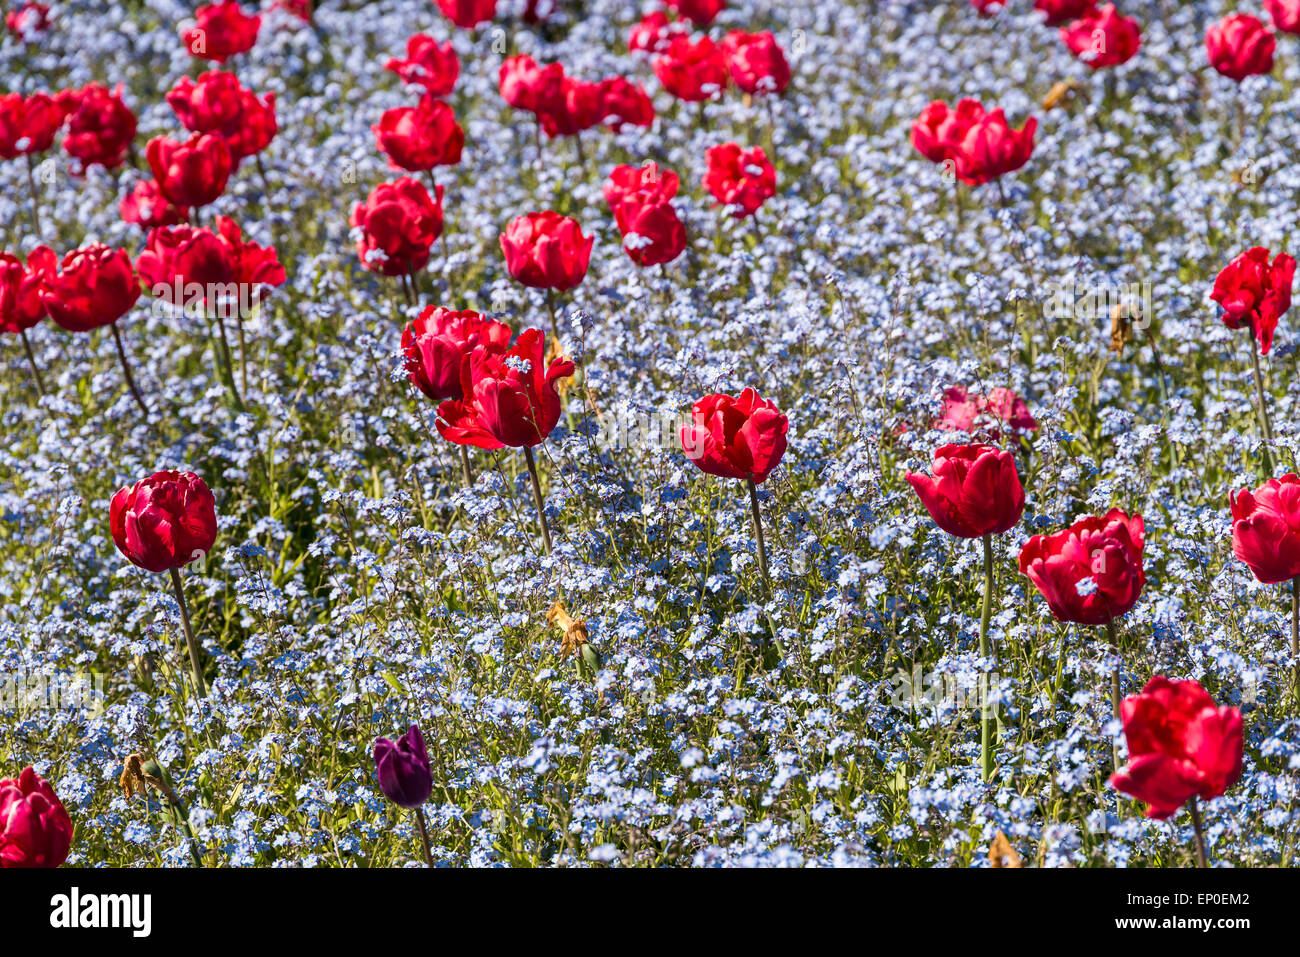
(1239,46)
(939,130)
(183,256)
(654,235)
(95,285)
(1181,745)
(756,62)
(192,173)
(250,264)
(428,64)
(1285,14)
(221,30)
(989,148)
(438,340)
(468,14)
(527,85)
(653,32)
(100,126)
(28,124)
(973,491)
(508,399)
(692,70)
(624,103)
(402,768)
(1266,529)
(35,830)
(699,12)
(219,103)
(1102,37)
(741,179)
(546,251)
(1091,572)
(1255,293)
(164,521)
(149,208)
(20,288)
(396,226)
(581,106)
(420,137)
(1063,11)
(29,20)
(740,437)
(631,187)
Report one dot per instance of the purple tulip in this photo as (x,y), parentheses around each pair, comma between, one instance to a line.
(403,769)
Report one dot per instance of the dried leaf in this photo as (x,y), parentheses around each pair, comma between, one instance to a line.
(1002,854)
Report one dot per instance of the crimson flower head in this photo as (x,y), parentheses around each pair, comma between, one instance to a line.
(974,490)
(938,131)
(699,12)
(624,104)
(1266,529)
(28,124)
(1180,745)
(403,769)
(739,178)
(529,86)
(100,126)
(20,288)
(250,263)
(756,61)
(1091,572)
(147,207)
(95,285)
(420,137)
(186,255)
(654,235)
(468,14)
(219,103)
(428,64)
(1255,293)
(396,226)
(631,187)
(692,70)
(192,173)
(546,251)
(580,106)
(1102,37)
(1285,14)
(437,341)
(1001,408)
(221,30)
(164,521)
(989,148)
(1063,11)
(35,830)
(28,20)
(740,437)
(1239,46)
(508,399)
(652,33)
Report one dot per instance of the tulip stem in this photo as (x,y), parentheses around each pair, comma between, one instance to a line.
(36,205)
(424,836)
(1264,422)
(465,466)
(189,633)
(1295,633)
(31,358)
(126,369)
(550,307)
(1113,634)
(1198,833)
(537,498)
(986,718)
(230,362)
(757,515)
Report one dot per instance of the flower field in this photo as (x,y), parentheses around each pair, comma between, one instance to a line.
(595,433)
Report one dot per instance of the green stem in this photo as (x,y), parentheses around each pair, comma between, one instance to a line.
(424,836)
(465,466)
(986,613)
(537,498)
(1295,633)
(189,634)
(126,369)
(1113,635)
(1265,425)
(757,515)
(1198,833)
(31,358)
(36,204)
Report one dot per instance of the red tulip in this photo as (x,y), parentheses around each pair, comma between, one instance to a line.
(437,341)
(989,148)
(428,64)
(95,285)
(987,8)
(699,12)
(1103,37)
(546,251)
(148,207)
(221,30)
(741,179)
(740,437)
(508,399)
(35,830)
(526,85)
(1254,293)
(183,256)
(652,33)
(1063,11)
(250,263)
(420,137)
(193,173)
(1091,572)
(28,124)
(396,226)
(974,490)
(654,235)
(692,70)
(1239,46)
(468,13)
(100,126)
(631,187)
(20,288)
(1266,529)
(164,521)
(1000,408)
(1285,14)
(26,21)
(1181,745)
(624,103)
(938,131)
(580,106)
(219,103)
(756,61)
